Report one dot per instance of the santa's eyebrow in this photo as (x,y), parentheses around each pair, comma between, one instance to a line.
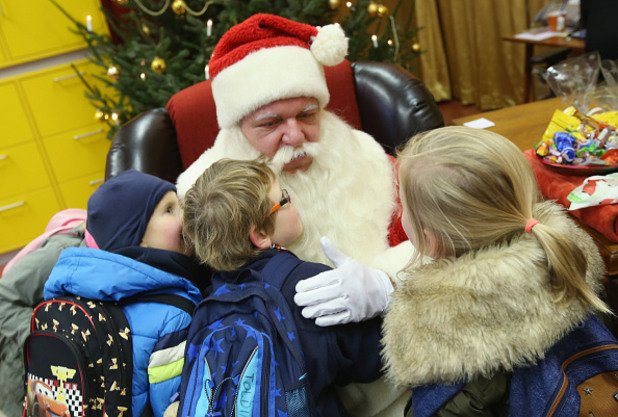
(310,107)
(264,116)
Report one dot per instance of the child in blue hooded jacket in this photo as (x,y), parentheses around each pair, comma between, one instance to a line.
(135,220)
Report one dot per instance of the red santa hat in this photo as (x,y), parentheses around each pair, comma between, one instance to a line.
(268,58)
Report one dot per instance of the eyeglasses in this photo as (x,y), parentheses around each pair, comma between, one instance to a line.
(285,199)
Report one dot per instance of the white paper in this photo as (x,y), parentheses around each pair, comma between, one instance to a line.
(481,123)
(538,36)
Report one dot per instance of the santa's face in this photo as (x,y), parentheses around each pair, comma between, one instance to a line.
(284,124)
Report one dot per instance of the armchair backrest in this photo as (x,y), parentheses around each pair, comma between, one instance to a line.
(381,99)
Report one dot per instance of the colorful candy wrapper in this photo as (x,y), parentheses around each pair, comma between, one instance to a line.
(597,190)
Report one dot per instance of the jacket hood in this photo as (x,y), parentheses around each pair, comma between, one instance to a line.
(106,276)
(457,319)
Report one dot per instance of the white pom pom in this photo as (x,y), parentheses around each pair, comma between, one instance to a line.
(330,46)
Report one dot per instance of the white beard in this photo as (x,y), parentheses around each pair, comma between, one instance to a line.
(348,192)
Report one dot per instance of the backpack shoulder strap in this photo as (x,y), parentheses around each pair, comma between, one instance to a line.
(279,267)
(170,299)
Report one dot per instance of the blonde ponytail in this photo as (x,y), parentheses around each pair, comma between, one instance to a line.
(567,265)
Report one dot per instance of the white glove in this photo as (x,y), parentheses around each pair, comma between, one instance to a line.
(349,293)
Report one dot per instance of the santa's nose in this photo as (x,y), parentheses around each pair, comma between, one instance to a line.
(293,134)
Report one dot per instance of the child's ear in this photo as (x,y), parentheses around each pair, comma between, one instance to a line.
(259,239)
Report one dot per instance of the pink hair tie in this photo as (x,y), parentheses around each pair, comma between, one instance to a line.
(530,224)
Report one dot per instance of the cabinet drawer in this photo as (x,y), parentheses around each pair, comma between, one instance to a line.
(77,192)
(36,28)
(78,152)
(21,170)
(15,126)
(3,57)
(56,98)
(25,217)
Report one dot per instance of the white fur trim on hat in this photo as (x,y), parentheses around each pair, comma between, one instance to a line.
(265,76)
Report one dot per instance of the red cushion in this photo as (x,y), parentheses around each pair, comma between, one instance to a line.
(192,111)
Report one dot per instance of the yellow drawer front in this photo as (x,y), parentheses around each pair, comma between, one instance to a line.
(3,58)
(15,127)
(77,192)
(57,99)
(78,152)
(25,217)
(21,170)
(36,28)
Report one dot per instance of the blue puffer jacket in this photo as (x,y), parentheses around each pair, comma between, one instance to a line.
(158,330)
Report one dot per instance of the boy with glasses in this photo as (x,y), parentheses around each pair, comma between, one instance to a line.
(237,218)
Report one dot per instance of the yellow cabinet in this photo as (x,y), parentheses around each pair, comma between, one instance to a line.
(56,98)
(13,119)
(77,192)
(52,150)
(78,152)
(21,169)
(33,29)
(3,56)
(24,218)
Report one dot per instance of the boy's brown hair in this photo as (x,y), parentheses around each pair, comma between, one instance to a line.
(226,201)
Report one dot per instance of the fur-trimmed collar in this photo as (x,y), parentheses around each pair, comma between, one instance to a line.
(457,319)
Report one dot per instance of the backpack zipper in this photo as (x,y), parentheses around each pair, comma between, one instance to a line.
(565,381)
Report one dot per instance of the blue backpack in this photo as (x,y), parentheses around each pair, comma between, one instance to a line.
(243,355)
(577,377)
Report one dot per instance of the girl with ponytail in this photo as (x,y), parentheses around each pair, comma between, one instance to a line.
(499,279)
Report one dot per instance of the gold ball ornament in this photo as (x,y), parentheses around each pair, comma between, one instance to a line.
(334,4)
(382,10)
(158,65)
(179,7)
(372,9)
(146,29)
(99,115)
(122,2)
(416,47)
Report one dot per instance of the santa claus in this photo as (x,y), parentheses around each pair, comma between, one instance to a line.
(270,93)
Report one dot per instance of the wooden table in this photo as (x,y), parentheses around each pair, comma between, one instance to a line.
(524,125)
(577,45)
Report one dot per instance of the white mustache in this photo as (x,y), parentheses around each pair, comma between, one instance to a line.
(287,154)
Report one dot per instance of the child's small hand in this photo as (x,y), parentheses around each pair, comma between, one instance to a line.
(349,293)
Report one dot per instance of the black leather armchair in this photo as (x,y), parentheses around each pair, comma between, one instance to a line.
(382,99)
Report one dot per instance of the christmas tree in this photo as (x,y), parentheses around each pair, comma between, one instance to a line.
(158,47)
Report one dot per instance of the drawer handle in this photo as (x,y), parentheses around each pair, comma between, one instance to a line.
(95,182)
(12,206)
(85,135)
(68,77)
(3,157)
